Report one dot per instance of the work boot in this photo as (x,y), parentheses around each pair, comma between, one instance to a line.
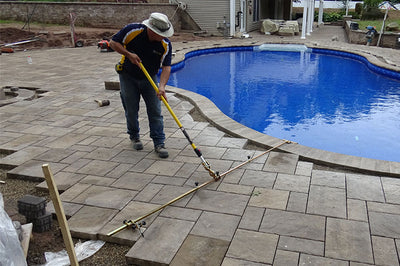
(137,144)
(162,151)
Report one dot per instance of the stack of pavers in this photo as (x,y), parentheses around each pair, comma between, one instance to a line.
(34,210)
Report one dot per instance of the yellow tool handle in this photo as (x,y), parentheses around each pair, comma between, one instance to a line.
(162,97)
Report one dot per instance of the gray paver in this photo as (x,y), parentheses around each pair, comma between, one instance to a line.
(257,178)
(384,251)
(314,260)
(391,187)
(281,163)
(289,182)
(253,246)
(132,211)
(348,240)
(97,167)
(327,201)
(356,210)
(181,213)
(63,181)
(304,168)
(164,168)
(163,239)
(88,221)
(328,178)
(251,218)
(168,193)
(364,187)
(134,181)
(384,224)
(219,202)
(236,262)
(106,197)
(297,202)
(383,207)
(294,224)
(197,250)
(301,245)
(32,170)
(269,198)
(286,258)
(216,225)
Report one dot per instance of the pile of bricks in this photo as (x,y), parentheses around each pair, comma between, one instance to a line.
(34,210)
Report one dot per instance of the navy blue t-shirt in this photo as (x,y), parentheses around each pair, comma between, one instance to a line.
(153,54)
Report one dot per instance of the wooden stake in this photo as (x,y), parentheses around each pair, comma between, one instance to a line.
(55,197)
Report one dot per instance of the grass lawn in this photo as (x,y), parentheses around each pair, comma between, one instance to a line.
(362,24)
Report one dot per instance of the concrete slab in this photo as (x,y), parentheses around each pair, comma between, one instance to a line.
(63,181)
(198,250)
(269,198)
(216,225)
(216,201)
(384,224)
(327,201)
(253,246)
(297,183)
(281,162)
(132,211)
(161,243)
(301,245)
(306,259)
(391,187)
(286,258)
(328,178)
(348,240)
(259,179)
(364,187)
(133,181)
(251,218)
(294,224)
(105,197)
(88,221)
(384,251)
(297,202)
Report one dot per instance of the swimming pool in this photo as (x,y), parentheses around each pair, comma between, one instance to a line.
(324,99)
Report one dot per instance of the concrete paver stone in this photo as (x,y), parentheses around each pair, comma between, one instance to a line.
(162,241)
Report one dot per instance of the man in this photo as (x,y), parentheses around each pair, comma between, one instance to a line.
(145,42)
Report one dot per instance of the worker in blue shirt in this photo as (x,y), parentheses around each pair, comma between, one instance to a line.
(148,43)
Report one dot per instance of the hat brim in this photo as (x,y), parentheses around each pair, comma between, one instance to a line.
(168,33)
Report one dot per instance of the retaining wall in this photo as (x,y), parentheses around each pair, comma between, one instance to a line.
(104,15)
(388,39)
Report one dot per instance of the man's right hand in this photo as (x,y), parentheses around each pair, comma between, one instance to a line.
(134,58)
(119,48)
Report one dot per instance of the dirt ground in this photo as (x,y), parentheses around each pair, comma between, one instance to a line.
(50,241)
(47,37)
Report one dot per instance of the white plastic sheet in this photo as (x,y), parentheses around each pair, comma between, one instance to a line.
(11,253)
(82,251)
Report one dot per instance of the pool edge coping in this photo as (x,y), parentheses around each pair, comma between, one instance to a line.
(322,157)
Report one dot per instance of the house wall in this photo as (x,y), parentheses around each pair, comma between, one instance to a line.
(212,16)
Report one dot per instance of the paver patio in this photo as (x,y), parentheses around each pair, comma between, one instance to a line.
(276,210)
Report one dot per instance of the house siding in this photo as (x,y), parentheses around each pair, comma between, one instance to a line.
(209,13)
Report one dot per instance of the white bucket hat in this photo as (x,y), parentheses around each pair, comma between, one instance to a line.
(160,24)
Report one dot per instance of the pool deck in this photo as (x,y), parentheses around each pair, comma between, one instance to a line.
(292,206)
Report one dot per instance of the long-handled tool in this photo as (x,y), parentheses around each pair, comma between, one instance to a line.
(135,223)
(206,165)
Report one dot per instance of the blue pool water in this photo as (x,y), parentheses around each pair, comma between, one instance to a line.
(323,99)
